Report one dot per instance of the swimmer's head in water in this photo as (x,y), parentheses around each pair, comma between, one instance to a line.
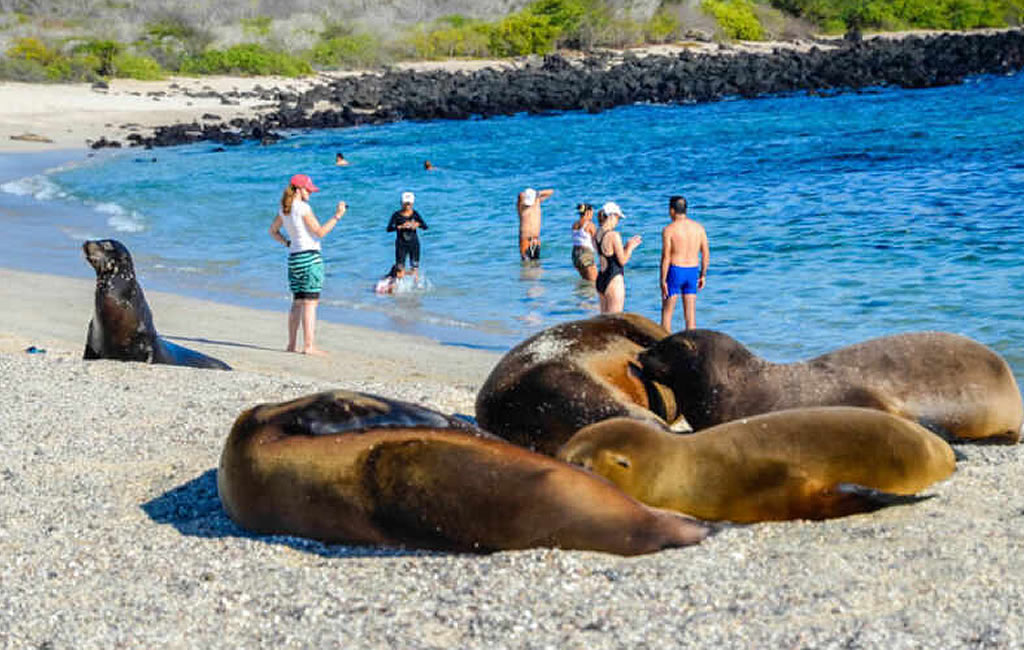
(396,271)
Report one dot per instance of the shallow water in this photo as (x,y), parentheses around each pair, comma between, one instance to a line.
(831,220)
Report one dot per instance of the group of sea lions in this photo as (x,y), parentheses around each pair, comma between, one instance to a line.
(578,443)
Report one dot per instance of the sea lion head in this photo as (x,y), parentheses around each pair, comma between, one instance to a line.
(109,257)
(693,362)
(618,449)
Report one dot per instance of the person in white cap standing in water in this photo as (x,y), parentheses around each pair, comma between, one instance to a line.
(305,263)
(611,280)
(404,223)
(528,206)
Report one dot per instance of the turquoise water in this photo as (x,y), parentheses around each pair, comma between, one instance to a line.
(831,220)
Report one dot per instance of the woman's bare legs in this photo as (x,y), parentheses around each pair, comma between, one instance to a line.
(294,316)
(303,311)
(309,328)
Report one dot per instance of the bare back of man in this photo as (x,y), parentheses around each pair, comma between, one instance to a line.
(528,206)
(684,264)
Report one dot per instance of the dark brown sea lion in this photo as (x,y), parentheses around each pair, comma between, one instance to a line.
(122,325)
(570,375)
(359,469)
(812,463)
(950,384)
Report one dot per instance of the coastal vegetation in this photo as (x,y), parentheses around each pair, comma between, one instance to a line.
(53,41)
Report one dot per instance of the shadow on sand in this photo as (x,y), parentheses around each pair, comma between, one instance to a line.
(232,344)
(194,509)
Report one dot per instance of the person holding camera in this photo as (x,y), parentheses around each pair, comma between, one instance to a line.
(305,263)
(583,231)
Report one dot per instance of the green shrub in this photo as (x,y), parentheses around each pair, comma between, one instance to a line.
(104,53)
(839,15)
(662,27)
(171,39)
(32,49)
(132,66)
(354,50)
(735,18)
(247,59)
(452,36)
(522,33)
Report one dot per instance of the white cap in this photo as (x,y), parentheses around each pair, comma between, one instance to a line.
(408,197)
(529,196)
(612,208)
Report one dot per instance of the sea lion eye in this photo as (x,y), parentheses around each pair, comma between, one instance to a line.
(622,461)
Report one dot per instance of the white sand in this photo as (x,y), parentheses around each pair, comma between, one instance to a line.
(111,533)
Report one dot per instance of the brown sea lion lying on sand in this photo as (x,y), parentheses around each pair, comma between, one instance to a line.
(358,469)
(571,375)
(950,384)
(813,463)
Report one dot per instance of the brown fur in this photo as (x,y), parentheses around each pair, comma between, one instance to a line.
(800,464)
(570,375)
(948,383)
(350,468)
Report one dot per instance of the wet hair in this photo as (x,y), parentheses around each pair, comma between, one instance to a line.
(395,270)
(339,155)
(583,207)
(677,204)
(288,198)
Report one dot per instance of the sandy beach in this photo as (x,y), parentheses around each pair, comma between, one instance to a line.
(111,532)
(112,535)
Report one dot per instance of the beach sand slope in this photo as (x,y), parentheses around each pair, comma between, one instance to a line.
(111,533)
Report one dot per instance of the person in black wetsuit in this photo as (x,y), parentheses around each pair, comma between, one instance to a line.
(404,223)
(611,280)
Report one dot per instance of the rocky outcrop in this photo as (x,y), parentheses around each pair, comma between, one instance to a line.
(597,83)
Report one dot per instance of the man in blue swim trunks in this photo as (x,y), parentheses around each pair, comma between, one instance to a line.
(684,263)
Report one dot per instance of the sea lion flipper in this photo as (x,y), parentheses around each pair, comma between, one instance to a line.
(853,497)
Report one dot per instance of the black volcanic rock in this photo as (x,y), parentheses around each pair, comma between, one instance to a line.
(597,83)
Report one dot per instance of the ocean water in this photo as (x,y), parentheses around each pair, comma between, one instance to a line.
(831,219)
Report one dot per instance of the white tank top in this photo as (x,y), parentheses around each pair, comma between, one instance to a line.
(302,239)
(581,237)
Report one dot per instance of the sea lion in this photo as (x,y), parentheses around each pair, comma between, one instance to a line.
(813,463)
(570,375)
(122,325)
(360,469)
(950,384)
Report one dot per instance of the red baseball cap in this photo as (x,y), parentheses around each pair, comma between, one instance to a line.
(305,182)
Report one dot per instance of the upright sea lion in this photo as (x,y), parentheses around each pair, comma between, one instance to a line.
(948,383)
(569,376)
(122,325)
(359,469)
(812,463)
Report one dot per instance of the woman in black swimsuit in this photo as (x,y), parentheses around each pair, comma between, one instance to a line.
(611,281)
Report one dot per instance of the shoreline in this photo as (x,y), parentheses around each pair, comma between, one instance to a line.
(229,109)
(248,339)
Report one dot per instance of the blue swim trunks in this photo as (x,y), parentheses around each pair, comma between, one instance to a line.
(682,279)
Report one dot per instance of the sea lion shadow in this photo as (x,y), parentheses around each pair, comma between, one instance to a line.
(234,344)
(194,509)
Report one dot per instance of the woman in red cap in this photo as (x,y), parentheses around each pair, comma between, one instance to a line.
(305,264)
